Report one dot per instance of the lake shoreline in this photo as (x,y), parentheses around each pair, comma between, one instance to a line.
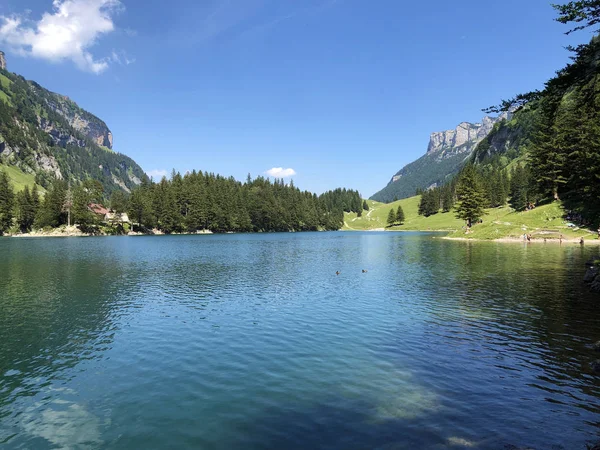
(74,231)
(511,240)
(507,239)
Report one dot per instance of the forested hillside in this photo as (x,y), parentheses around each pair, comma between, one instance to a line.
(548,150)
(447,153)
(184,204)
(203,201)
(556,132)
(45,136)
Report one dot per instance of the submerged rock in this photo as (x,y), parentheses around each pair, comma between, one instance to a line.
(595,286)
(590,274)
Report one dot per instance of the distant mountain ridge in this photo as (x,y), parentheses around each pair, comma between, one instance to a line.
(446,153)
(46,135)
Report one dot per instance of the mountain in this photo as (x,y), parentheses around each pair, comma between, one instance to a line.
(446,153)
(44,135)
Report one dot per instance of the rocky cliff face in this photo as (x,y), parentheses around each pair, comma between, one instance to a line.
(446,153)
(51,137)
(463,138)
(84,122)
(2,61)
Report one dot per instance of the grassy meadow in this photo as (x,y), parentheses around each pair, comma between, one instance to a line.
(18,178)
(543,222)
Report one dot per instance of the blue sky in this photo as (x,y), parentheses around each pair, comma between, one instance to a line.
(342,92)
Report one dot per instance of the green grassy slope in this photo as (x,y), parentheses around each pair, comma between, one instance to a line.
(545,221)
(376,217)
(74,151)
(18,178)
(422,173)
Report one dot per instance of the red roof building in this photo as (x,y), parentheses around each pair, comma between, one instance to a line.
(98,209)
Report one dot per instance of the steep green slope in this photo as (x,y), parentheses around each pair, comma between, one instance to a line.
(509,138)
(18,178)
(447,152)
(47,136)
(544,222)
(557,134)
(376,217)
(424,172)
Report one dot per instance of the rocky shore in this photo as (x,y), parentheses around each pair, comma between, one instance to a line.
(75,231)
(592,275)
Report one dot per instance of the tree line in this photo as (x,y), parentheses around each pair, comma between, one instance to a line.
(25,113)
(189,203)
(563,156)
(477,187)
(561,152)
(205,201)
(395,217)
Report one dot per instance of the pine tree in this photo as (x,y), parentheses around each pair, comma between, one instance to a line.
(82,215)
(68,204)
(585,13)
(519,188)
(400,215)
(26,210)
(471,196)
(35,198)
(118,202)
(447,198)
(430,203)
(423,204)
(391,219)
(365,205)
(7,200)
(50,212)
(548,155)
(207,201)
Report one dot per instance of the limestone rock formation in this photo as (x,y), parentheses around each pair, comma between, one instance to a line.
(446,153)
(463,138)
(81,120)
(51,137)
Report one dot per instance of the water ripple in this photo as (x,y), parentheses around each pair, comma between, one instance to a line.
(252,341)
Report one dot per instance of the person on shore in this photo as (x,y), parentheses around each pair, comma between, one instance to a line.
(529,238)
(581,241)
(598,232)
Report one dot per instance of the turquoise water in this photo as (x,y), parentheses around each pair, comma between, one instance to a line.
(252,341)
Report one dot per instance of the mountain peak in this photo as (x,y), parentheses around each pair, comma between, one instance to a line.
(446,153)
(51,137)
(465,133)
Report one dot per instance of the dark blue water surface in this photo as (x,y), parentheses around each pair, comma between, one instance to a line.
(253,341)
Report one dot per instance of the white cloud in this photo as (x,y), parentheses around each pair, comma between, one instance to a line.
(280,172)
(157,174)
(121,58)
(65,34)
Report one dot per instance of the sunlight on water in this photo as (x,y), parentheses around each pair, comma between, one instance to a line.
(253,341)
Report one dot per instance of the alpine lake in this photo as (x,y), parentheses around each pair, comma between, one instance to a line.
(251,341)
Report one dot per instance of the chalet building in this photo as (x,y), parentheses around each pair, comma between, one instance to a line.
(108,216)
(99,210)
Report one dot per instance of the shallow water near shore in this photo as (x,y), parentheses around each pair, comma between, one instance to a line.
(253,341)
